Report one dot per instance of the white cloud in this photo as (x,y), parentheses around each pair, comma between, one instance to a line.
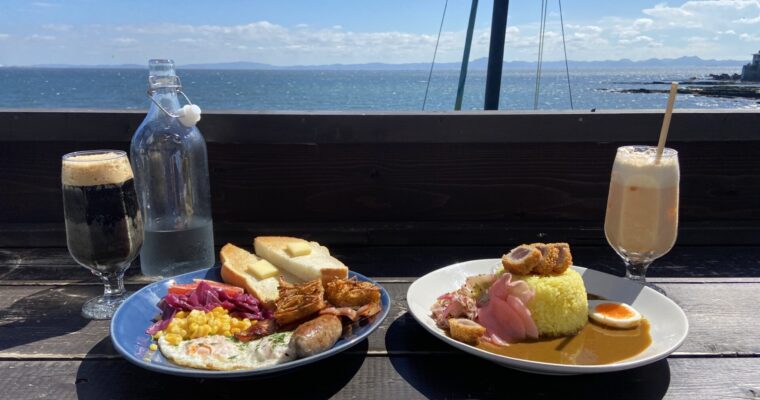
(707,14)
(57,27)
(4,36)
(626,32)
(642,39)
(749,37)
(643,23)
(665,30)
(187,40)
(125,40)
(697,39)
(662,10)
(591,28)
(39,37)
(749,21)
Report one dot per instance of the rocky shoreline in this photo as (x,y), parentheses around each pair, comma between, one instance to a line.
(747,92)
(718,85)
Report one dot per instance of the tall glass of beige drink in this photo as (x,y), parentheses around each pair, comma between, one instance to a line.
(641,223)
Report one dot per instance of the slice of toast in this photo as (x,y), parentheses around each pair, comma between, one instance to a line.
(318,264)
(235,263)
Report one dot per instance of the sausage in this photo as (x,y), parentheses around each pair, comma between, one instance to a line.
(317,335)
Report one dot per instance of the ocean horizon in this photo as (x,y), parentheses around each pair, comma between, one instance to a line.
(358,90)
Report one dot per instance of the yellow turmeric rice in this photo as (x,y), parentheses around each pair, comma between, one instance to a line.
(560,306)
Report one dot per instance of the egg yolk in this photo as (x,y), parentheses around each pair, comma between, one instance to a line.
(614,310)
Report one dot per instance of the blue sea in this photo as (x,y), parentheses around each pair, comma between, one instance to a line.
(360,90)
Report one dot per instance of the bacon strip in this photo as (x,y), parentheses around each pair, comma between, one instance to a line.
(258,330)
(369,310)
(347,312)
(353,313)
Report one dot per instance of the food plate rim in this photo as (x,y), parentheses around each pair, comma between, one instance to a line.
(245,373)
(539,366)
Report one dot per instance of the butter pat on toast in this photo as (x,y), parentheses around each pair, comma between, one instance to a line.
(317,264)
(240,268)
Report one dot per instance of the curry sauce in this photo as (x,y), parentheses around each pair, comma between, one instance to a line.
(594,344)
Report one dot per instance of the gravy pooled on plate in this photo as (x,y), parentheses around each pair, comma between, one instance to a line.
(593,345)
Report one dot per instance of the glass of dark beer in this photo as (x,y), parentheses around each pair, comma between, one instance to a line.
(104,227)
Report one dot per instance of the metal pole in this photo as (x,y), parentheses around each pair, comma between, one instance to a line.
(466,55)
(496,53)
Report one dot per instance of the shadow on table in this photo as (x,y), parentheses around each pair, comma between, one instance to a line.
(45,314)
(460,375)
(118,379)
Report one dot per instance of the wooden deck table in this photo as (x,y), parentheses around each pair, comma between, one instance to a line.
(48,351)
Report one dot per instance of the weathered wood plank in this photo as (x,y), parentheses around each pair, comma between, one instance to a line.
(391,127)
(402,377)
(533,183)
(710,233)
(40,321)
(55,264)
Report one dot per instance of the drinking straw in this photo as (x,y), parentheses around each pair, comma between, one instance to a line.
(666,121)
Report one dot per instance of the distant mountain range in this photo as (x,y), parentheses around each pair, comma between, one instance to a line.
(477,64)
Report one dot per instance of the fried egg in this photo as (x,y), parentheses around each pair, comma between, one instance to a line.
(613,314)
(223,353)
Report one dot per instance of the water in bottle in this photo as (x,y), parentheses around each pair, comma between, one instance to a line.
(170,164)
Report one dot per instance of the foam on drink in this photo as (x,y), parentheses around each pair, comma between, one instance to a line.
(639,168)
(94,169)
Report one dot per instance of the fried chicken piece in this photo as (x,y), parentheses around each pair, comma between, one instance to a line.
(351,293)
(521,260)
(549,258)
(538,258)
(565,258)
(465,330)
(297,302)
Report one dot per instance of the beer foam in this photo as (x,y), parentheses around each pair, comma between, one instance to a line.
(95,169)
(638,168)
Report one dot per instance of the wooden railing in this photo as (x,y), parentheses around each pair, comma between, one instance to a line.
(403,178)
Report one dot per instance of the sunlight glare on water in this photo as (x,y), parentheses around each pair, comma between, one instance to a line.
(352,90)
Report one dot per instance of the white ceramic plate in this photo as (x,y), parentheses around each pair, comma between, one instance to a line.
(668,323)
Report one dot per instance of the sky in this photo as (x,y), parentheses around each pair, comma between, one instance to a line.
(308,32)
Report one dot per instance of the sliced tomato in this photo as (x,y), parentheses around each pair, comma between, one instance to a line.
(181,289)
(185,288)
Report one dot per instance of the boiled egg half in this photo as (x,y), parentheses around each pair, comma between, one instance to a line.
(613,314)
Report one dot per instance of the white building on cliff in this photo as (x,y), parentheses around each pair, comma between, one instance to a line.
(751,72)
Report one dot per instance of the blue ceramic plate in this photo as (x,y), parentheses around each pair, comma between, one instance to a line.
(131,320)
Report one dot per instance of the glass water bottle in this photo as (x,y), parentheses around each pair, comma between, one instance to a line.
(170,165)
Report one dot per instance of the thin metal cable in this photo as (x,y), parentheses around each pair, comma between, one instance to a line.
(564,46)
(542,42)
(539,64)
(430,74)
(538,58)
(466,55)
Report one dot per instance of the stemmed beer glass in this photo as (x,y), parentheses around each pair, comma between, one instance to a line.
(641,222)
(104,227)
